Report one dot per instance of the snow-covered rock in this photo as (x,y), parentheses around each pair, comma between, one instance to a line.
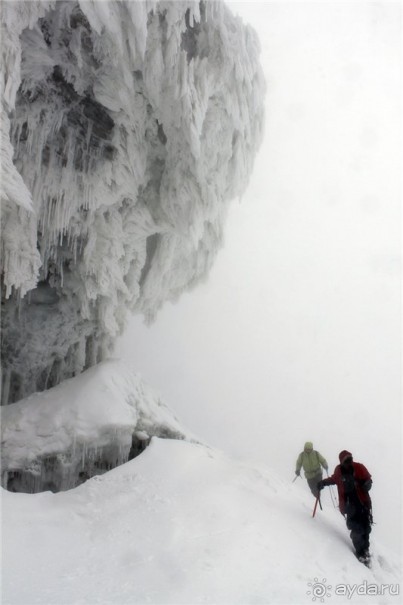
(127,127)
(80,428)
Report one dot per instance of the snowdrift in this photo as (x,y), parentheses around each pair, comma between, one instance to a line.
(83,427)
(183,524)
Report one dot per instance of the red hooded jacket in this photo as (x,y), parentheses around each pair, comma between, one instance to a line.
(361,475)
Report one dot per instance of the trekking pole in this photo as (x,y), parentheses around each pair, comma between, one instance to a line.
(333,497)
(331,493)
(295,478)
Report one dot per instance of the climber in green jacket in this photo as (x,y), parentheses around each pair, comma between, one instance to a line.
(311,461)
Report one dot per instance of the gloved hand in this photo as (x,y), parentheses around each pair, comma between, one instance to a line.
(298,473)
(320,485)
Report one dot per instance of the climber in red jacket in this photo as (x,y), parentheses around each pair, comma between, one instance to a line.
(353,484)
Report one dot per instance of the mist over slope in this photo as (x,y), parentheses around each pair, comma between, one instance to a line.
(127,127)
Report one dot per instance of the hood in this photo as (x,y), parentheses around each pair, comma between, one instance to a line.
(343,455)
(308,445)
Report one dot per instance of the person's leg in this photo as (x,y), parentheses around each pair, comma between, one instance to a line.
(366,530)
(358,538)
(360,527)
(313,484)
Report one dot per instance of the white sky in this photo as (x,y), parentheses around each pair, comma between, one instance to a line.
(296,335)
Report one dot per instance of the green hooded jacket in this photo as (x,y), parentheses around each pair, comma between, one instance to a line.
(311,461)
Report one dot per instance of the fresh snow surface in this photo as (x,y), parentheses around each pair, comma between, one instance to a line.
(182,523)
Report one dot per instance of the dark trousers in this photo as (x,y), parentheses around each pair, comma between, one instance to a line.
(314,482)
(358,519)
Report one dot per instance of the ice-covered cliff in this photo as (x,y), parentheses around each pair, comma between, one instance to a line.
(127,127)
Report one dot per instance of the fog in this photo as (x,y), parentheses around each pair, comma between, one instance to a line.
(296,333)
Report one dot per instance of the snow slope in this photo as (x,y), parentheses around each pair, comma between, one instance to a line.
(182,523)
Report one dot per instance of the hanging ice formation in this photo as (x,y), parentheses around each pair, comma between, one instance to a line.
(127,127)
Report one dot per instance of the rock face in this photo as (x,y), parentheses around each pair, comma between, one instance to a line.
(127,127)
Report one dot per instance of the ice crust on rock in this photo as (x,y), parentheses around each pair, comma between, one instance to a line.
(89,424)
(127,127)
